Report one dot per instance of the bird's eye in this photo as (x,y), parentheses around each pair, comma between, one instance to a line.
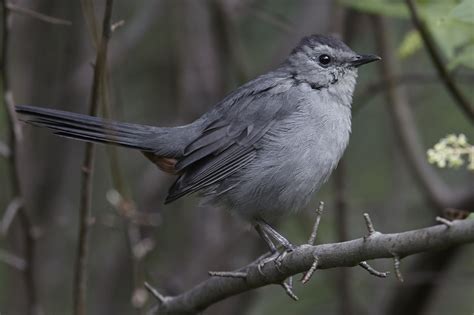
(324,59)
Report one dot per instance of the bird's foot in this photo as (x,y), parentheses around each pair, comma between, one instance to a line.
(276,257)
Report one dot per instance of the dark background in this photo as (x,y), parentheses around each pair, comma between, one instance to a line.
(169,63)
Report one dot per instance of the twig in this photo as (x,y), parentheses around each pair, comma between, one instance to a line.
(12,260)
(289,290)
(10,213)
(343,254)
(279,21)
(228,274)
(4,150)
(314,232)
(307,276)
(14,137)
(161,298)
(444,221)
(438,62)
(36,15)
(396,267)
(227,36)
(87,169)
(117,25)
(126,207)
(369,224)
(372,271)
(91,22)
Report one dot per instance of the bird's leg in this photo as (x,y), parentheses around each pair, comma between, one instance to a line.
(281,240)
(263,234)
(266,231)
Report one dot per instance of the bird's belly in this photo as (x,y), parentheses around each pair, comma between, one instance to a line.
(281,180)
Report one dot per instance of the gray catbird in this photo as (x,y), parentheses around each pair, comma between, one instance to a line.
(263,150)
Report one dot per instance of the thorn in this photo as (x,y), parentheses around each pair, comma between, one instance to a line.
(369,224)
(9,215)
(116,25)
(372,271)
(314,233)
(444,221)
(228,274)
(289,289)
(12,260)
(4,150)
(307,276)
(161,299)
(396,266)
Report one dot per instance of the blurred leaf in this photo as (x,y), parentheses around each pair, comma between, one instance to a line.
(450,34)
(464,11)
(383,7)
(465,58)
(410,44)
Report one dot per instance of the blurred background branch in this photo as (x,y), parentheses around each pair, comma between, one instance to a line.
(438,62)
(25,226)
(87,169)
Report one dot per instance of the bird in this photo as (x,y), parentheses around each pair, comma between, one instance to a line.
(262,151)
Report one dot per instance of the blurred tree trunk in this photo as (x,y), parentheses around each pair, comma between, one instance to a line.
(43,56)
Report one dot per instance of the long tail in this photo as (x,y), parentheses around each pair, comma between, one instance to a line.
(91,129)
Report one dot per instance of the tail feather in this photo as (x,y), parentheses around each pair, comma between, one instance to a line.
(89,128)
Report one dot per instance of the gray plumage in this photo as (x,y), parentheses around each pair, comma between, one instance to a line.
(264,149)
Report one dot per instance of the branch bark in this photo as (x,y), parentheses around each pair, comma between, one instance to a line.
(438,62)
(343,254)
(87,169)
(14,136)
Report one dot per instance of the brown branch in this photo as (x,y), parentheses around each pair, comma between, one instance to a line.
(36,15)
(87,169)
(438,62)
(14,138)
(439,194)
(343,254)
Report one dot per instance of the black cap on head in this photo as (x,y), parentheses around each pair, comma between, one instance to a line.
(317,39)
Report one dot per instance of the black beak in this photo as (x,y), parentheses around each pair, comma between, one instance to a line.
(363,59)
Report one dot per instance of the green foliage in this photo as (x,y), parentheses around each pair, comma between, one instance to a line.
(383,7)
(410,44)
(451,23)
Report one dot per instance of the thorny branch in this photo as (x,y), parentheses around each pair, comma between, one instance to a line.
(36,15)
(14,135)
(87,169)
(343,254)
(438,62)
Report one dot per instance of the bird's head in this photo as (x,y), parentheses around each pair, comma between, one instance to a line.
(324,60)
